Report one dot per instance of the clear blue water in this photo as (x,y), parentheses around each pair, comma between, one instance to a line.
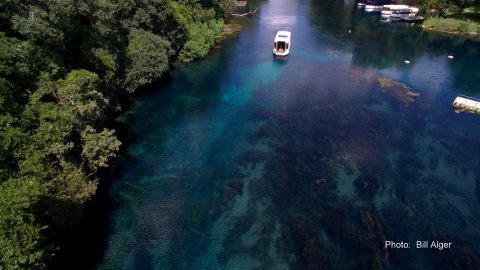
(244,161)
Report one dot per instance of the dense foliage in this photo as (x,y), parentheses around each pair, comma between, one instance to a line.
(148,58)
(202,28)
(63,66)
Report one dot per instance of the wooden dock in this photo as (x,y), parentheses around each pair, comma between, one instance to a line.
(466,104)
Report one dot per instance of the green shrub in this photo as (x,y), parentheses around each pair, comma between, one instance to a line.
(201,39)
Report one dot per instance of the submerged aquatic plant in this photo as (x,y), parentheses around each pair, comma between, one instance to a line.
(397,90)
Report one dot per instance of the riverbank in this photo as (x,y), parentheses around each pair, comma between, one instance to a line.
(236,21)
(465,23)
(453,26)
(229,30)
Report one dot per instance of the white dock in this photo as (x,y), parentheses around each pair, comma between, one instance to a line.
(462,103)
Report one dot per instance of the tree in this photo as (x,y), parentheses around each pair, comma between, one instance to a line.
(201,39)
(49,144)
(148,59)
(99,147)
(79,93)
(56,24)
(20,235)
(65,195)
(227,7)
(105,62)
(7,103)
(461,4)
(20,64)
(63,65)
(11,136)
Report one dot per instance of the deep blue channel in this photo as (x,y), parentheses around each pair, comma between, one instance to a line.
(244,161)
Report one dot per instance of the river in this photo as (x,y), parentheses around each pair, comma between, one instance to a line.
(243,161)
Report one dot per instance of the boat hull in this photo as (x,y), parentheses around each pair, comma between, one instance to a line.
(414,19)
(386,13)
(401,16)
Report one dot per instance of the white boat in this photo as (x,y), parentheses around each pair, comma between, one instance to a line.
(388,9)
(404,13)
(361,4)
(414,10)
(373,8)
(282,43)
(375,5)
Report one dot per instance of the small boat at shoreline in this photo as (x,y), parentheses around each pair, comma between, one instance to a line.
(373,8)
(375,5)
(282,43)
(388,9)
(404,13)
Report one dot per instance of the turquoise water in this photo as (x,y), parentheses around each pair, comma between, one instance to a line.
(244,161)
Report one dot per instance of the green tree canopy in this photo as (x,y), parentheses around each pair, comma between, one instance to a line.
(202,27)
(20,234)
(79,93)
(148,59)
(64,66)
(99,147)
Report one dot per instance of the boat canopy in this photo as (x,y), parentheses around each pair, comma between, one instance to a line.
(393,7)
(378,2)
(402,11)
(283,36)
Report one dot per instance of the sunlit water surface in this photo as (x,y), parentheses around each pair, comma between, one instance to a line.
(244,161)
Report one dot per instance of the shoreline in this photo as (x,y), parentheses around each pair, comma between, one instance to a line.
(451,26)
(231,28)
